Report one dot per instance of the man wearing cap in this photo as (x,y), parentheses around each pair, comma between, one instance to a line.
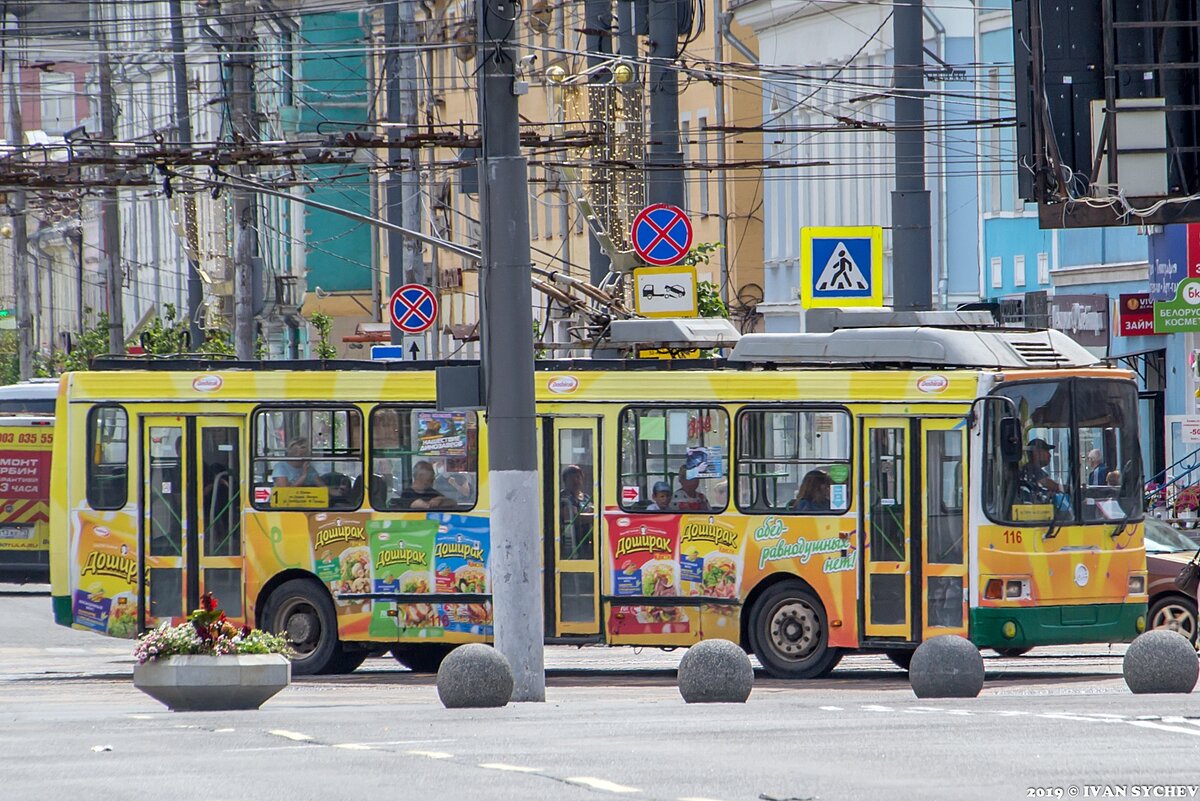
(1034,471)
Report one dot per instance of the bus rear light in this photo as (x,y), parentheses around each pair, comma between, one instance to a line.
(994,590)
(1137,583)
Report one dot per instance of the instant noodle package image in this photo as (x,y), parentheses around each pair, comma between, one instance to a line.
(342,559)
(105,595)
(461,566)
(646,563)
(402,561)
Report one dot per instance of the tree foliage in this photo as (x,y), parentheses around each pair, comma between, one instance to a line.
(324,324)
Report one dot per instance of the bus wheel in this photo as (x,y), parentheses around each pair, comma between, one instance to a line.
(901,659)
(1175,613)
(421,658)
(302,612)
(344,661)
(1013,652)
(789,633)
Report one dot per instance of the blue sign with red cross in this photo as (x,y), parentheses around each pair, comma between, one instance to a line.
(414,308)
(662,234)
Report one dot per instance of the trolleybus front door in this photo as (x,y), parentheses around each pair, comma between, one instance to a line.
(191,532)
(943,527)
(887,511)
(571,454)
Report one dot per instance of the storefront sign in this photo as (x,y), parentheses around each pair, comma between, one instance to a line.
(1182,314)
(1135,315)
(1174,254)
(1084,318)
(1189,429)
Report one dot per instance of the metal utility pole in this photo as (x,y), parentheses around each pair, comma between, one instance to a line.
(110,210)
(405,261)
(912,251)
(183,126)
(20,239)
(665,181)
(507,312)
(239,24)
(598,25)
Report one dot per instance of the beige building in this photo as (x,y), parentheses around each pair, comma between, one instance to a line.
(722,197)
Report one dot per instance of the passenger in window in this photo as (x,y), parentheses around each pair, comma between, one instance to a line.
(456,486)
(1034,472)
(689,498)
(813,494)
(1113,479)
(660,497)
(420,494)
(298,470)
(1099,470)
(573,502)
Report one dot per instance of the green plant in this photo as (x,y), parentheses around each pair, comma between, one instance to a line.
(207,632)
(217,342)
(92,342)
(539,334)
(708,300)
(165,336)
(324,324)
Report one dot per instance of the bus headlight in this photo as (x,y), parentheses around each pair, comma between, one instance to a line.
(1137,583)
(1016,589)
(1008,588)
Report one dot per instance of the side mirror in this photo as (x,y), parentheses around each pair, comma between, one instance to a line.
(1010,439)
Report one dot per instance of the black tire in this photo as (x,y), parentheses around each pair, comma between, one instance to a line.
(345,661)
(1174,613)
(901,659)
(302,611)
(421,658)
(1012,653)
(789,632)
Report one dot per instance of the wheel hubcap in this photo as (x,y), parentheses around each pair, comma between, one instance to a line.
(1175,618)
(795,630)
(302,628)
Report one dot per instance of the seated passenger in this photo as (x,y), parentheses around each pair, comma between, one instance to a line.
(1113,479)
(689,498)
(813,494)
(660,495)
(297,471)
(420,494)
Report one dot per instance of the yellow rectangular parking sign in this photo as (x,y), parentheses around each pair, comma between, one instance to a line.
(841,266)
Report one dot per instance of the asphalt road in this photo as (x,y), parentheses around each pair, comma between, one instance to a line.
(1058,722)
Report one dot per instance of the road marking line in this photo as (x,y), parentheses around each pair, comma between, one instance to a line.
(600,784)
(291,735)
(877,708)
(353,746)
(1009,713)
(1069,716)
(142,717)
(696,798)
(431,754)
(832,708)
(222,731)
(961,712)
(923,709)
(1146,724)
(512,768)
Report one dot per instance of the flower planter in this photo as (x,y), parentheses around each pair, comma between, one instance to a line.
(194,682)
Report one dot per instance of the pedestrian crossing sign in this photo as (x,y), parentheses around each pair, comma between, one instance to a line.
(841,266)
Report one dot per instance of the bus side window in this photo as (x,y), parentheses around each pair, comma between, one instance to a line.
(679,456)
(423,459)
(793,461)
(108,457)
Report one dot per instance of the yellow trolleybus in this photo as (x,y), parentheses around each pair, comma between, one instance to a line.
(810,494)
(26,436)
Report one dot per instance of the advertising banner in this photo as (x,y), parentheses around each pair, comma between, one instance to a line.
(1135,315)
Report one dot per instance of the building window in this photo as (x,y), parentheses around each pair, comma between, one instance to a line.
(423,459)
(793,461)
(108,458)
(58,102)
(308,458)
(674,456)
(997,272)
(1043,268)
(534,233)
(1019,270)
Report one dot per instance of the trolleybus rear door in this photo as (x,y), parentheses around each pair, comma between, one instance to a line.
(571,446)
(887,513)
(943,525)
(191,515)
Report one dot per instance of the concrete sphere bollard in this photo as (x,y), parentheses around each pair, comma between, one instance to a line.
(474,675)
(948,666)
(1161,661)
(715,671)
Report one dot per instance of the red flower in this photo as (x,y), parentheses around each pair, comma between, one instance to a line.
(208,602)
